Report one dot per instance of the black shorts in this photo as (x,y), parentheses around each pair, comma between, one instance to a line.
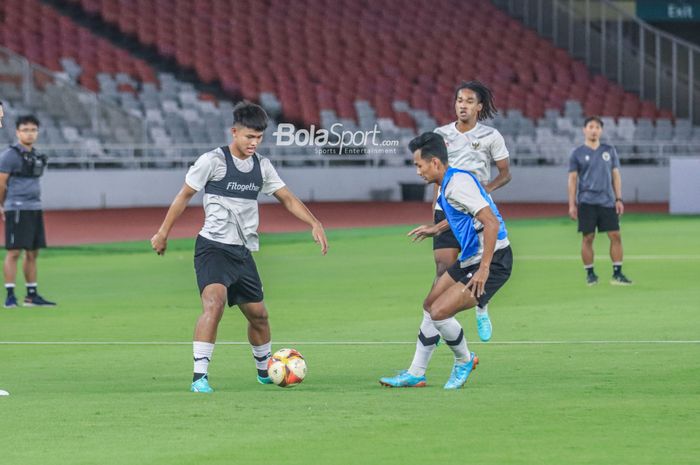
(230,265)
(499,272)
(592,216)
(24,229)
(446,239)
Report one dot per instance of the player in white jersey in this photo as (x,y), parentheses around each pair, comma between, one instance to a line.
(471,146)
(232,176)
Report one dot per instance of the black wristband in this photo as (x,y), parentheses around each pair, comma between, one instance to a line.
(618,199)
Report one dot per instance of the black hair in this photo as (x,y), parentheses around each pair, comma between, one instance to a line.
(0,103)
(26,119)
(431,145)
(249,115)
(592,118)
(485,96)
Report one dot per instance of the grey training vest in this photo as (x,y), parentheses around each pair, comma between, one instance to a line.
(236,183)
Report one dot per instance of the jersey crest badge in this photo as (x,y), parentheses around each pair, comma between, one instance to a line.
(476,144)
(606,156)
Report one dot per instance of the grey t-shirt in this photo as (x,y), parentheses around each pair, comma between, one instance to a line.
(594,168)
(23,193)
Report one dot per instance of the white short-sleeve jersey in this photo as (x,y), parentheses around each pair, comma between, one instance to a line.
(230,220)
(473,150)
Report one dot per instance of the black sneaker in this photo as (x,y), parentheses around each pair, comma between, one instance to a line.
(620,279)
(10,301)
(592,279)
(37,301)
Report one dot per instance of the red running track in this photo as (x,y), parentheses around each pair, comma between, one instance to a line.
(71,227)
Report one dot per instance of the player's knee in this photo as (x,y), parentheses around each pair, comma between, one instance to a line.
(259,319)
(615,236)
(437,312)
(213,306)
(13,255)
(438,315)
(588,239)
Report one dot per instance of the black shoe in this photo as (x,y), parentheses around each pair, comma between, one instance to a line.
(37,301)
(11,301)
(620,279)
(592,279)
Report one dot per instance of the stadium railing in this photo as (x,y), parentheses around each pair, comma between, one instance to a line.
(643,59)
(146,156)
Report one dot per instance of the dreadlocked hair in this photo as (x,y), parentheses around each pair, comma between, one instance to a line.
(485,96)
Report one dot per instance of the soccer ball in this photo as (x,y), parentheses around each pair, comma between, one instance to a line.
(286,368)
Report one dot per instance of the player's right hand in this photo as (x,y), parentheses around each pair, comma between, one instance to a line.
(573,212)
(477,284)
(159,243)
(2,213)
(423,231)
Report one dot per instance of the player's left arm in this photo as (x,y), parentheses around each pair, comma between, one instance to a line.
(499,154)
(297,208)
(503,177)
(428,230)
(617,182)
(477,283)
(617,188)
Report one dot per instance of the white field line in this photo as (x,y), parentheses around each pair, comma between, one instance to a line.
(335,343)
(627,257)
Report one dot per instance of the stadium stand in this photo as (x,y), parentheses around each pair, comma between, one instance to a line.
(343,61)
(365,52)
(56,42)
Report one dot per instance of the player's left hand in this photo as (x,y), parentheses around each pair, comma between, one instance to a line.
(423,231)
(619,207)
(319,236)
(476,285)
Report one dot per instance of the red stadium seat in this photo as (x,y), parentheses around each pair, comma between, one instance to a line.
(360,51)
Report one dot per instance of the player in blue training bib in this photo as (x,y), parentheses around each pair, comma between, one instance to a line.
(483,267)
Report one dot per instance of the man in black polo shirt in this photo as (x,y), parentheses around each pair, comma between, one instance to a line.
(594,172)
(20,197)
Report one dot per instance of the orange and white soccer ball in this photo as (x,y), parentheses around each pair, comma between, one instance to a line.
(286,368)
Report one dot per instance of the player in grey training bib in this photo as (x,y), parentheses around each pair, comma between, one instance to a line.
(232,177)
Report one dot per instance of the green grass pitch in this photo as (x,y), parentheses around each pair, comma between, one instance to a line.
(587,397)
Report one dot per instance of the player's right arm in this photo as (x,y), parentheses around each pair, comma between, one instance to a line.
(464,194)
(476,285)
(159,241)
(4,178)
(197,177)
(8,165)
(573,182)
